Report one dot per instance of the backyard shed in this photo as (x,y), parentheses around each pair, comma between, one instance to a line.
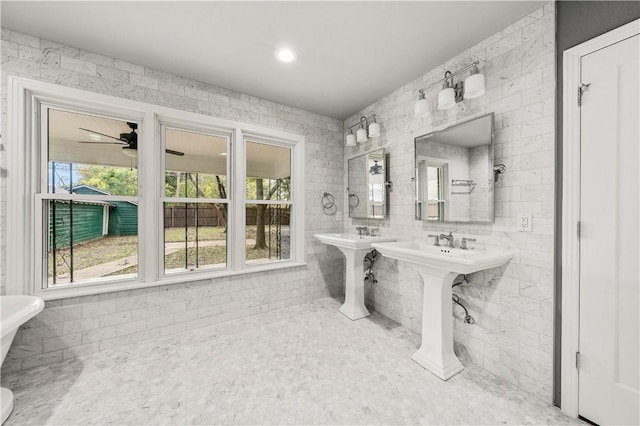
(91,219)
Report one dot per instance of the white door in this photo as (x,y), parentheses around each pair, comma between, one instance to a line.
(609,258)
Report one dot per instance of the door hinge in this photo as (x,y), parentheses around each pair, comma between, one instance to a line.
(577,360)
(578,231)
(584,87)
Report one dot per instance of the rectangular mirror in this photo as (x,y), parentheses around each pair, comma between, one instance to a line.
(367,186)
(454,173)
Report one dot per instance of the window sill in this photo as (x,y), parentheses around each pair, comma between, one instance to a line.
(124,285)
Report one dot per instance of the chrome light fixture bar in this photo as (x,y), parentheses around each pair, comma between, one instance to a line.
(369,128)
(452,92)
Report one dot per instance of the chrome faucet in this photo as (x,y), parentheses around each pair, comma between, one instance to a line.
(436,241)
(464,241)
(449,239)
(362,230)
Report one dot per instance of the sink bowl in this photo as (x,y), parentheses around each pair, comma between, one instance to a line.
(444,258)
(439,266)
(354,248)
(351,241)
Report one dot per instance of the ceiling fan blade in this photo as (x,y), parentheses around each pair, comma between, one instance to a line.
(103,143)
(171,151)
(98,133)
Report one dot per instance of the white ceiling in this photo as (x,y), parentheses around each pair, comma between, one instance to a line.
(350,54)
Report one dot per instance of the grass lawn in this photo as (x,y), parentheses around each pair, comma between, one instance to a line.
(208,233)
(92,253)
(110,248)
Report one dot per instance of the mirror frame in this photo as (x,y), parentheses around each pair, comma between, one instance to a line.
(386,183)
(491,193)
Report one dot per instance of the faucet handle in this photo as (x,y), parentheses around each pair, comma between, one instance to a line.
(464,241)
(449,238)
(437,239)
(374,231)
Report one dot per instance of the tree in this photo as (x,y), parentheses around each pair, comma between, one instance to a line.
(114,180)
(202,194)
(281,188)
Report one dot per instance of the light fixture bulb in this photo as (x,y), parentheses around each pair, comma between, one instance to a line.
(374,130)
(446,98)
(285,55)
(351,139)
(421,108)
(474,86)
(361,135)
(130,152)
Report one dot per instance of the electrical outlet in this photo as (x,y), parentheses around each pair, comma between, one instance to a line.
(524,222)
(338,216)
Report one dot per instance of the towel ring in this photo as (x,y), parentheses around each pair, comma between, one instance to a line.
(328,201)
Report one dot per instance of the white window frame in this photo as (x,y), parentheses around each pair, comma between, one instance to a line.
(42,195)
(203,128)
(295,192)
(24,183)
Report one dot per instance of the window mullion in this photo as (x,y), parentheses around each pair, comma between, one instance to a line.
(239,184)
(148,193)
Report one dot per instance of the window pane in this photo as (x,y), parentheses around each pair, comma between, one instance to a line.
(435,211)
(434,183)
(91,241)
(267,232)
(195,164)
(268,172)
(195,236)
(91,155)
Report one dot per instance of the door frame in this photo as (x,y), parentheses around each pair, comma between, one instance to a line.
(571,208)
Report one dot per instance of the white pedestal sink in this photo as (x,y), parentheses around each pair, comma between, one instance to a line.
(438,267)
(354,248)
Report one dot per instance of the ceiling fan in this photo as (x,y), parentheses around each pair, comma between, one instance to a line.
(129,141)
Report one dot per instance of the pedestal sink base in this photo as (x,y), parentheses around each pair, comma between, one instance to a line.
(353,307)
(354,248)
(438,266)
(445,370)
(436,353)
(353,313)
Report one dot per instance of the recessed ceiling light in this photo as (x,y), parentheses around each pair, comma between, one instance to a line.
(223,154)
(285,55)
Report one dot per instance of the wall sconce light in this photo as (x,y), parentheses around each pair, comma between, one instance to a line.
(452,92)
(474,85)
(421,108)
(361,133)
(498,169)
(369,128)
(374,128)
(351,139)
(447,96)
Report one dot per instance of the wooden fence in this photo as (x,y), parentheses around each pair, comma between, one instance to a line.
(181,216)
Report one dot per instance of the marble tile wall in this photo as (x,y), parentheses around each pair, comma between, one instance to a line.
(512,305)
(72,327)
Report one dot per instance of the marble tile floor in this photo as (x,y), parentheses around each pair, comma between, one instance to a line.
(300,365)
